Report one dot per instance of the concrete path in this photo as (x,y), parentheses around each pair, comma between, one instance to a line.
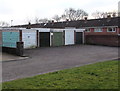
(43,60)
(9,57)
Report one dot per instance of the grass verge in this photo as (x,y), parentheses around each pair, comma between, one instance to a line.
(102,75)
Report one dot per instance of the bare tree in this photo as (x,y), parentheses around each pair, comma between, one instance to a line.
(28,20)
(72,14)
(80,14)
(104,15)
(36,20)
(56,18)
(99,14)
(45,20)
(3,24)
(114,14)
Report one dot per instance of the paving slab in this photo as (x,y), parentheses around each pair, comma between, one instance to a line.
(10,57)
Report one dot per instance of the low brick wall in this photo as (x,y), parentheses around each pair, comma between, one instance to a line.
(9,50)
(16,51)
(108,40)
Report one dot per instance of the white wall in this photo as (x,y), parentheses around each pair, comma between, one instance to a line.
(56,30)
(29,37)
(69,37)
(79,30)
(43,29)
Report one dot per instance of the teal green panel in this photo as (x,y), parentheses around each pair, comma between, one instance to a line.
(9,39)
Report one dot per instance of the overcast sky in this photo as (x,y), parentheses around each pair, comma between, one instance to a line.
(20,11)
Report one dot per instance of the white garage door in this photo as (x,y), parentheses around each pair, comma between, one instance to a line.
(29,39)
(69,37)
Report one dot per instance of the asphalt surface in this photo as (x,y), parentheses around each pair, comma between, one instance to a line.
(44,60)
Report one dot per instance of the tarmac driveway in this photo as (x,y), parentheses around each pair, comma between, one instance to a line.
(43,60)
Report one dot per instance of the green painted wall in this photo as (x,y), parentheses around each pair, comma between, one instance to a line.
(57,39)
(9,39)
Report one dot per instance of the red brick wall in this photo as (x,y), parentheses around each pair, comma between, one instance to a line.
(118,30)
(104,30)
(103,33)
(109,40)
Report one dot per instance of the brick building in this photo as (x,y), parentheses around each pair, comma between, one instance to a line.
(104,31)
